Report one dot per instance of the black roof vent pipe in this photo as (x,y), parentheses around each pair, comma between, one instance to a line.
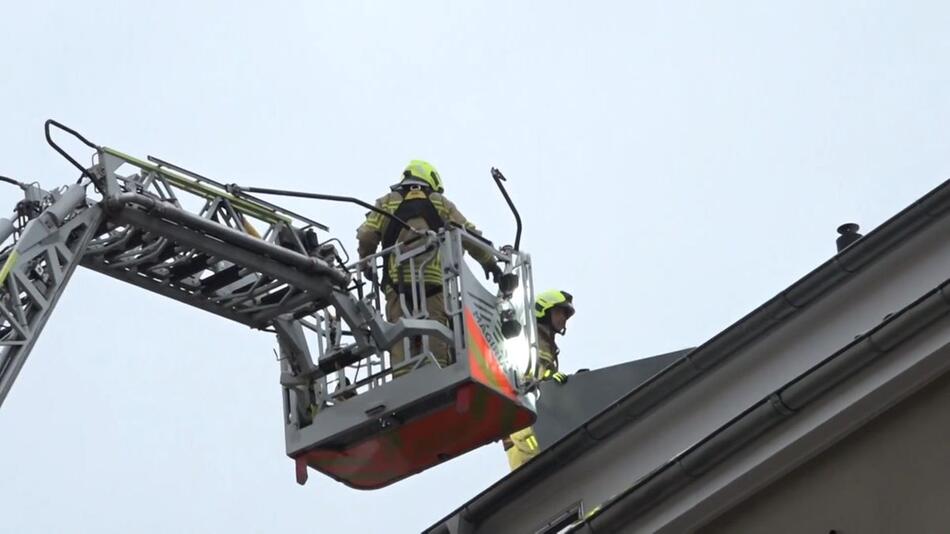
(849,234)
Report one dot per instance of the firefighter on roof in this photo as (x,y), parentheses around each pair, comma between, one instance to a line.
(419,200)
(552,309)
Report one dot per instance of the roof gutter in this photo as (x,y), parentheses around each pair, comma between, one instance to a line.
(642,399)
(769,412)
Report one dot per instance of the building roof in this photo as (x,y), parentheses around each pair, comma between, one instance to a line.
(645,396)
(563,408)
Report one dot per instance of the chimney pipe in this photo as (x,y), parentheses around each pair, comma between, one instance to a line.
(849,234)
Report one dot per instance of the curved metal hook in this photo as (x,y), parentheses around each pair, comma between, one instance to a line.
(499,178)
(57,148)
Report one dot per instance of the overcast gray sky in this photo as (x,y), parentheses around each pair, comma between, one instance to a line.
(676,164)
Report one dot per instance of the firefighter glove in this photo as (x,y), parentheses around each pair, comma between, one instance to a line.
(369,273)
(494,271)
(557,376)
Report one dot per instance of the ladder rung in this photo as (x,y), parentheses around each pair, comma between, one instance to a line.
(136,238)
(168,251)
(220,279)
(192,266)
(275,297)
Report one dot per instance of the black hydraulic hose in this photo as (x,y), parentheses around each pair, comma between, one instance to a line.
(10,181)
(233,188)
(57,148)
(172,166)
(499,178)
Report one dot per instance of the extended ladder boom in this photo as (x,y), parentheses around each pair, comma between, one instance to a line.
(37,268)
(216,248)
(170,233)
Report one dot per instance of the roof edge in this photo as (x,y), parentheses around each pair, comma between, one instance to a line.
(775,408)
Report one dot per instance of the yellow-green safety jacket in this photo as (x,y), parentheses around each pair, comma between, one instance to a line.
(547,351)
(424,210)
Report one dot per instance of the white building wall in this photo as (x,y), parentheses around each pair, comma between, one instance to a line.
(892,475)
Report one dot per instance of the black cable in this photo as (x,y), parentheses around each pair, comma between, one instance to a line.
(172,166)
(57,148)
(10,181)
(280,192)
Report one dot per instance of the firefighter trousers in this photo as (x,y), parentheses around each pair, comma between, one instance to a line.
(521,447)
(435,308)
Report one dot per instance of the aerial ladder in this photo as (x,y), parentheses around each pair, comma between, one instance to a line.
(347,411)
